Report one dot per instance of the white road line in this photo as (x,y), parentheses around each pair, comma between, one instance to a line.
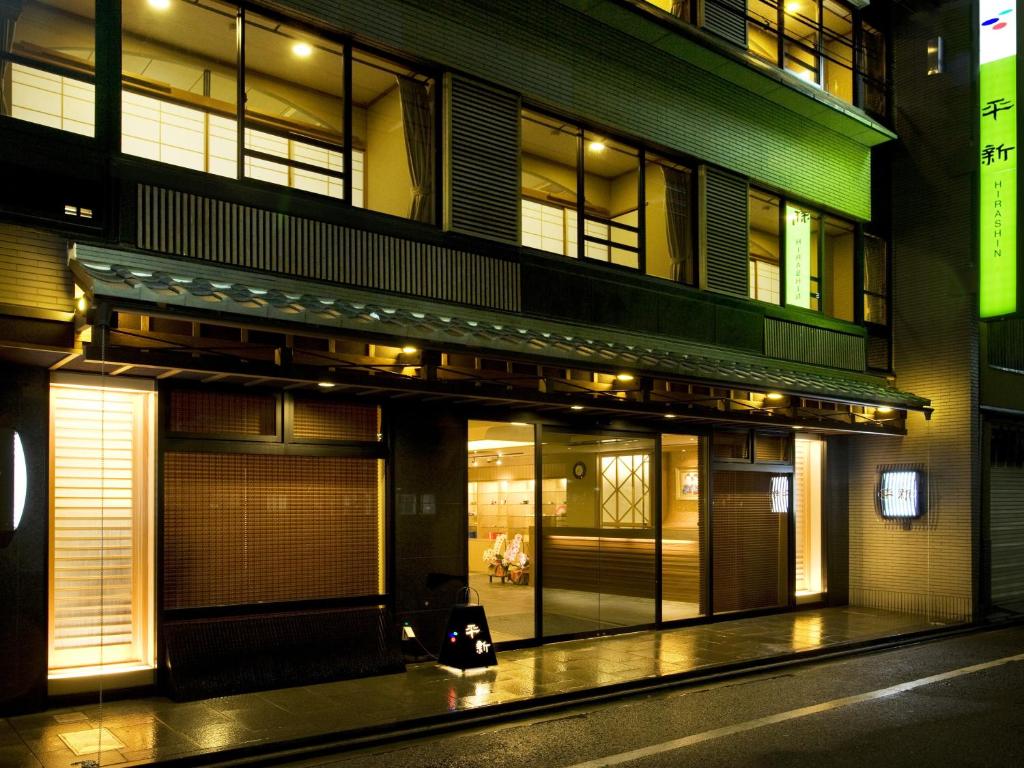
(793,714)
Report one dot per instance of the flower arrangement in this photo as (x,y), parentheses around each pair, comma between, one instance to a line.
(507,558)
(494,555)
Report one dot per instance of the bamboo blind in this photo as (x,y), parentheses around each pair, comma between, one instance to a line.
(211,413)
(246,528)
(332,420)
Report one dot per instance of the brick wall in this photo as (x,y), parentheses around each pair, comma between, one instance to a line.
(927,567)
(567,60)
(33,269)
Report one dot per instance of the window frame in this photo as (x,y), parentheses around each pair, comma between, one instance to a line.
(817,279)
(644,155)
(858,66)
(243,152)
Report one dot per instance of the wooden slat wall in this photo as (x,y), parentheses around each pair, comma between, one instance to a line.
(818,346)
(680,573)
(724,232)
(600,564)
(228,233)
(483,185)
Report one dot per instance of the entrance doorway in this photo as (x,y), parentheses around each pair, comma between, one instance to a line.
(501,542)
(598,535)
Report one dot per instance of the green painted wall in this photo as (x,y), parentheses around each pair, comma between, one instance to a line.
(565,60)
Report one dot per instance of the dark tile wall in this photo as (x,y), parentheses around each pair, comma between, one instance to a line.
(429,515)
(24,406)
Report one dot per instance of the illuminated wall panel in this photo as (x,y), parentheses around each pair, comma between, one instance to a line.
(101,550)
(798,257)
(997,75)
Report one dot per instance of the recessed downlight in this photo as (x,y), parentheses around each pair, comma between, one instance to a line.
(160,5)
(624,377)
(883,409)
(775,396)
(576,407)
(409,350)
(325,384)
(302,49)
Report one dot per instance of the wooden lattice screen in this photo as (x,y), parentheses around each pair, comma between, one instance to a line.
(250,528)
(214,413)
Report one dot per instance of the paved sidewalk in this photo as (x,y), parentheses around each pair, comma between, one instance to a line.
(155,729)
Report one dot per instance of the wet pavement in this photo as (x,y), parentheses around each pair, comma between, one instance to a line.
(154,729)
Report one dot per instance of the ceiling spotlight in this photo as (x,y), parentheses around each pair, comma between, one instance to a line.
(576,407)
(776,396)
(624,377)
(302,50)
(670,415)
(409,350)
(325,384)
(597,146)
(883,409)
(160,5)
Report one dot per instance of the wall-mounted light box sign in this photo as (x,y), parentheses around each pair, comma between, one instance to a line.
(901,492)
(798,257)
(997,115)
(780,494)
(13,480)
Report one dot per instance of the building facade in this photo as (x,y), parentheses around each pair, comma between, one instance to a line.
(621,314)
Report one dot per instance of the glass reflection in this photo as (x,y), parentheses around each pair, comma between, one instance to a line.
(598,534)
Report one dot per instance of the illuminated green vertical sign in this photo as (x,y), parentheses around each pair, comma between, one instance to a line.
(997,214)
(798,257)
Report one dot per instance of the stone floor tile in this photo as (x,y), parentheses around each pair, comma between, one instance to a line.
(18,756)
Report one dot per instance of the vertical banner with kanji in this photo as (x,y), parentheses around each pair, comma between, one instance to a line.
(798,257)
(997,75)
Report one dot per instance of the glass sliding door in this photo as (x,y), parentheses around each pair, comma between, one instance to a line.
(598,534)
(750,534)
(501,542)
(683,529)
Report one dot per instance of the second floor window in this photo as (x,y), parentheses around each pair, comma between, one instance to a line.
(587,196)
(181,105)
(47,62)
(187,76)
(800,256)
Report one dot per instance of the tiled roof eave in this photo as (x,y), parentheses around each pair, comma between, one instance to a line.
(190,284)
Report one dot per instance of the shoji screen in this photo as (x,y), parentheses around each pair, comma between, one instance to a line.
(101,551)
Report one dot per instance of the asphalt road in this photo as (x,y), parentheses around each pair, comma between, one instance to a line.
(954,702)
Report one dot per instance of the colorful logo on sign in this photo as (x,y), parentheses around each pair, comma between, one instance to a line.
(998,22)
